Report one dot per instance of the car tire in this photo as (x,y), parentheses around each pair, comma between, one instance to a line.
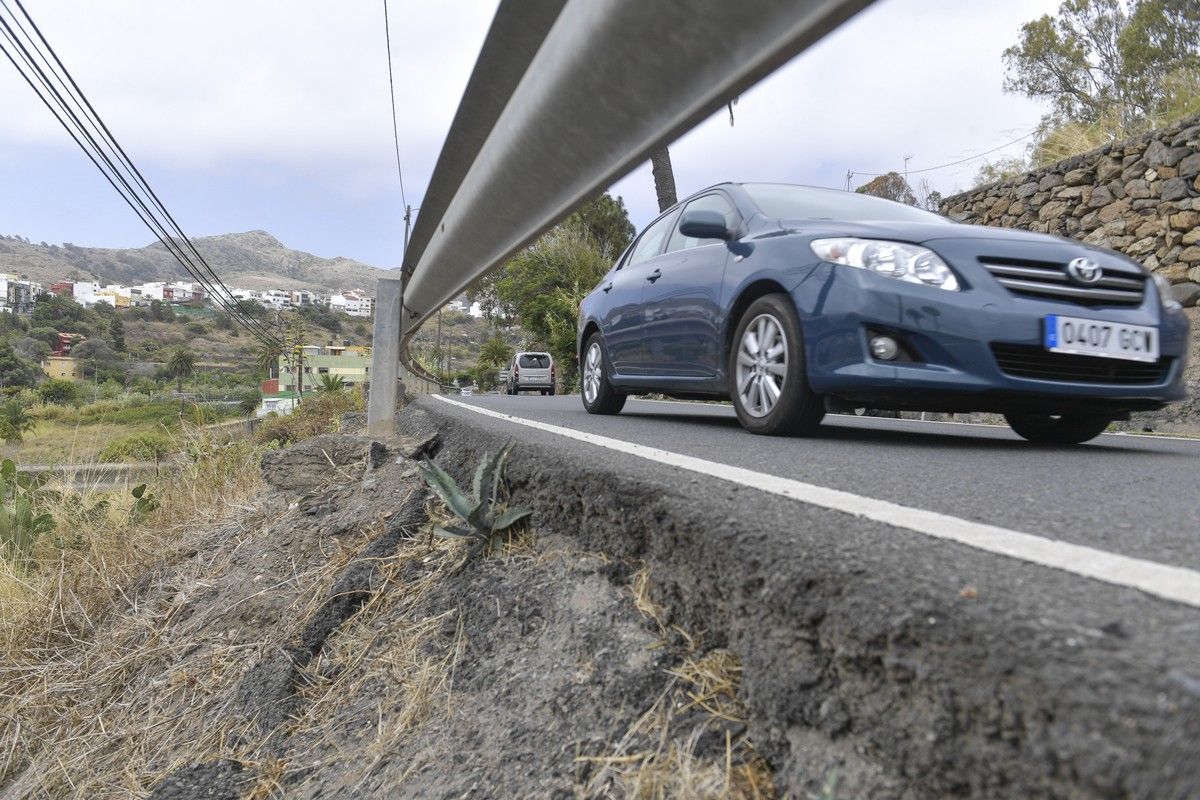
(550,391)
(769,388)
(1057,428)
(599,397)
(515,390)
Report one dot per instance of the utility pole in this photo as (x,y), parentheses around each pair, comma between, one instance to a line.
(385,358)
(441,373)
(385,347)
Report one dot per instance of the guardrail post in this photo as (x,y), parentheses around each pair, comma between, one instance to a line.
(385,359)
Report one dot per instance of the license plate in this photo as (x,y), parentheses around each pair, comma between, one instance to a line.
(1090,337)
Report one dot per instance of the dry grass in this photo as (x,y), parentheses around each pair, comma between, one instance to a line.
(661,757)
(69,681)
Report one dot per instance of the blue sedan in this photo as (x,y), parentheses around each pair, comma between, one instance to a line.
(792,300)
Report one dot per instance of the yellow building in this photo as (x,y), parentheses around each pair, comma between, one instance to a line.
(353,364)
(62,367)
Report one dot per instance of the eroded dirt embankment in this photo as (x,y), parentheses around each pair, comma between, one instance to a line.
(640,639)
(323,644)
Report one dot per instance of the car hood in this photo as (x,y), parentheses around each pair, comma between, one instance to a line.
(960,237)
(916,232)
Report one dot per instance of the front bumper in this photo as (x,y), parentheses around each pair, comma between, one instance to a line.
(951,335)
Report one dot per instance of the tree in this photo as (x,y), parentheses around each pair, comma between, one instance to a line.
(116,332)
(250,308)
(542,287)
(15,421)
(1099,59)
(929,198)
(161,312)
(606,221)
(16,371)
(249,401)
(495,352)
(664,178)
(31,349)
(1001,169)
(891,186)
(331,383)
(268,359)
(45,334)
(97,359)
(180,365)
(59,392)
(57,312)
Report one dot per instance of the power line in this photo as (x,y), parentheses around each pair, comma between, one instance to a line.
(387,35)
(408,210)
(852,173)
(88,125)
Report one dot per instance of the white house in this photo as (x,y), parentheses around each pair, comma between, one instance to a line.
(355,303)
(276,299)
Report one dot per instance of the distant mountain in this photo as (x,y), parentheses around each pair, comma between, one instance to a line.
(252,260)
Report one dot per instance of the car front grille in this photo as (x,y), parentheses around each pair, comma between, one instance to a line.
(1043,279)
(1027,361)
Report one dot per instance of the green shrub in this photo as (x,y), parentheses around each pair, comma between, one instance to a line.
(321,413)
(148,446)
(249,401)
(60,392)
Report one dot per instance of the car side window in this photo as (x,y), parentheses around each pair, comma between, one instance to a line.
(651,242)
(710,202)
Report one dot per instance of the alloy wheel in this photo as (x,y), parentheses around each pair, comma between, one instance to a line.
(592,365)
(761,365)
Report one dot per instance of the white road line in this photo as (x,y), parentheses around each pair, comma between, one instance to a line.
(1170,583)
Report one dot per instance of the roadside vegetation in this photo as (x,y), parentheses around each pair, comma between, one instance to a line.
(1109,69)
(317,414)
(539,290)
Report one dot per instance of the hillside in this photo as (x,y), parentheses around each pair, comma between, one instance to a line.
(251,260)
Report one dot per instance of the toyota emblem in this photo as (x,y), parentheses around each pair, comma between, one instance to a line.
(1085,271)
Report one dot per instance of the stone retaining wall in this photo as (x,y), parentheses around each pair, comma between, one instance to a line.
(1140,196)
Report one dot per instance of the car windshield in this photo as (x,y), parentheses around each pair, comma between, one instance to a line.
(534,361)
(782,201)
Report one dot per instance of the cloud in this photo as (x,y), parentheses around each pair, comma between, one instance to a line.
(905,77)
(275,115)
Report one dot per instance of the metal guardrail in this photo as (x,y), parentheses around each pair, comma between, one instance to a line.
(612,80)
(567,97)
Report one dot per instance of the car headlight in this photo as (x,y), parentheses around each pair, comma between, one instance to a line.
(905,262)
(1165,295)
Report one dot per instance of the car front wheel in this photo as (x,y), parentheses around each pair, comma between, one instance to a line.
(766,371)
(599,397)
(1057,428)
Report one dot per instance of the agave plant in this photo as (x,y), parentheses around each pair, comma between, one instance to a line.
(477,510)
(20,520)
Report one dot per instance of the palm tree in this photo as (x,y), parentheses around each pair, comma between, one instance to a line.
(268,359)
(664,178)
(15,421)
(331,384)
(180,365)
(495,352)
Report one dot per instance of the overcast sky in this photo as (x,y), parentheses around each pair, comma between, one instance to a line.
(244,116)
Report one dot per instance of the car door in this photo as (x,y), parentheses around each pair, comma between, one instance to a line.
(681,308)
(621,322)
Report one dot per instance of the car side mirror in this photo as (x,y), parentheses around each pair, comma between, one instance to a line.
(704,225)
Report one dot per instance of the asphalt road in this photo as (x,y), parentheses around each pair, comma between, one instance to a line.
(1002,614)
(1137,496)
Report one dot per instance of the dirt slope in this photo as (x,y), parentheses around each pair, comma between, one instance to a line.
(321,645)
